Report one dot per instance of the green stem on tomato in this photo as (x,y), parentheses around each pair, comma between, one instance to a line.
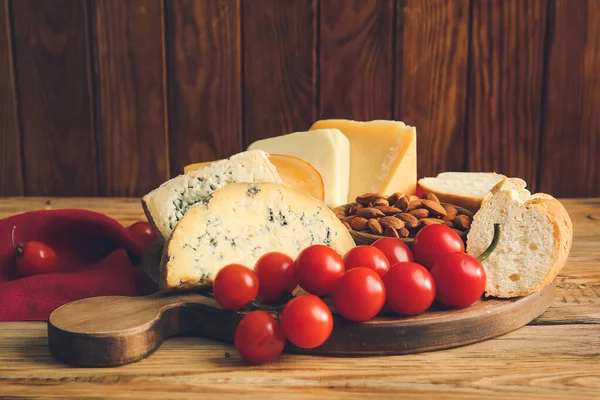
(492,245)
(18,247)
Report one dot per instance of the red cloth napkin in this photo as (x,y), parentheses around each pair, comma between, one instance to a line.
(96,254)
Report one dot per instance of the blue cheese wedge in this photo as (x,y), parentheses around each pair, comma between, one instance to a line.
(166,205)
(240,223)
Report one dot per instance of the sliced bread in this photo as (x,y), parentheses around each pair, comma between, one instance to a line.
(536,236)
(465,189)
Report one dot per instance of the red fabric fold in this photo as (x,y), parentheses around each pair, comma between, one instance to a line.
(97,257)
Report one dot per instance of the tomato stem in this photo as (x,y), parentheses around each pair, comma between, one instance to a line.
(18,247)
(492,246)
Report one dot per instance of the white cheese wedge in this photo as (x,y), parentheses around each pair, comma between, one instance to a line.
(328,150)
(167,204)
(240,223)
(383,155)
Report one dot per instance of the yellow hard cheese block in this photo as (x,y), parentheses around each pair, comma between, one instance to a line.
(383,155)
(294,172)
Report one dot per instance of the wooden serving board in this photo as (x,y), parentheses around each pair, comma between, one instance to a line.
(110,331)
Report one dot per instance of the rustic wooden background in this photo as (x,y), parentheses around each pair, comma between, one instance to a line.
(112,97)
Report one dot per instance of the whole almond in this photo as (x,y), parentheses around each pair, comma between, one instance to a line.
(395,197)
(347,225)
(403,233)
(354,208)
(413,204)
(448,224)
(391,222)
(369,212)
(462,222)
(413,197)
(381,202)
(391,232)
(368,198)
(359,223)
(402,204)
(451,212)
(430,196)
(420,213)
(349,218)
(340,215)
(410,221)
(375,226)
(389,210)
(428,221)
(435,209)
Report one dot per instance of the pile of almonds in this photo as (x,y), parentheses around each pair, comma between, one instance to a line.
(398,215)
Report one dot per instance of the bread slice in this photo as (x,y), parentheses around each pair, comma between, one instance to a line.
(465,189)
(167,204)
(536,236)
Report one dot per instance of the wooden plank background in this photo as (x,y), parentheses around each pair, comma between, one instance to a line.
(110,97)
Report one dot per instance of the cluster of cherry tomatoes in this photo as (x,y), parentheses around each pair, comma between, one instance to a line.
(360,284)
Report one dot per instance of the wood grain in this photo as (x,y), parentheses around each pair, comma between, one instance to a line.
(570,158)
(356,59)
(505,87)
(131,96)
(204,70)
(431,80)
(53,86)
(280,84)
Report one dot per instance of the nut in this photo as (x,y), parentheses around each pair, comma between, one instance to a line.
(381,202)
(395,197)
(403,233)
(413,197)
(430,221)
(413,204)
(448,223)
(347,225)
(420,213)
(410,221)
(368,213)
(340,216)
(430,196)
(368,198)
(388,210)
(391,222)
(451,212)
(354,208)
(359,223)
(391,232)
(375,227)
(462,222)
(402,204)
(435,209)
(349,218)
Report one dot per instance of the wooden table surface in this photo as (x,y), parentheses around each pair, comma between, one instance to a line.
(556,356)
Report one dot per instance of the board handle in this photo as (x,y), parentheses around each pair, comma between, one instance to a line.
(116,330)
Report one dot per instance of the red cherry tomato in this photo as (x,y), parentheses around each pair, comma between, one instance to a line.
(317,268)
(359,295)
(367,257)
(395,250)
(259,338)
(434,241)
(34,258)
(276,276)
(235,286)
(307,321)
(459,280)
(409,287)
(143,231)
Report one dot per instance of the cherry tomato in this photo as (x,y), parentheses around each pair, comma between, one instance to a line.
(307,321)
(409,287)
(275,273)
(434,241)
(395,250)
(235,286)
(143,230)
(359,295)
(317,268)
(459,279)
(367,257)
(34,258)
(259,338)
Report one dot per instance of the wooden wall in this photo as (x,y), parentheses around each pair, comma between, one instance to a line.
(112,97)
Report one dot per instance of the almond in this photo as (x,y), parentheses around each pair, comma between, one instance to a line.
(347,225)
(389,210)
(368,198)
(395,197)
(402,203)
(413,197)
(403,233)
(354,208)
(430,196)
(340,216)
(429,221)
(369,212)
(391,232)
(413,204)
(448,223)
(349,218)
(451,212)
(420,213)
(359,223)
(391,222)
(462,222)
(435,209)
(410,221)
(381,202)
(375,227)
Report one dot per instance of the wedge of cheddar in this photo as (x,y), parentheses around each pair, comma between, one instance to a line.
(383,155)
(167,204)
(241,222)
(294,172)
(328,150)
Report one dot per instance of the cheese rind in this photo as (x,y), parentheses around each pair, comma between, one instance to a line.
(240,223)
(328,150)
(383,155)
(167,204)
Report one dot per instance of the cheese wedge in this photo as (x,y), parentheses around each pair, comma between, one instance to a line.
(241,222)
(167,204)
(328,150)
(383,155)
(294,172)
